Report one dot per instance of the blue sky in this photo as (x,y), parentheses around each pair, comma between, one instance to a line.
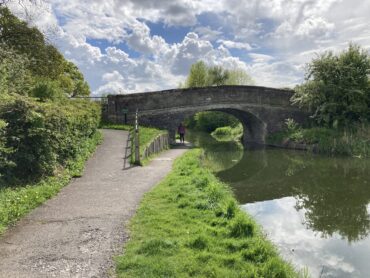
(128,46)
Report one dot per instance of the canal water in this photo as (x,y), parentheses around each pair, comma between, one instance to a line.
(314,208)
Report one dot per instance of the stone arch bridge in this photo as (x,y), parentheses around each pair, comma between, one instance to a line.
(261,110)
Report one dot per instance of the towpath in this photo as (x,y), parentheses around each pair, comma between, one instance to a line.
(78,232)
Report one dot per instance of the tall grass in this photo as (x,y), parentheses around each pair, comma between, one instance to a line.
(191,226)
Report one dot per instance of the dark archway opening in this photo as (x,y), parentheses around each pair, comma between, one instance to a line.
(229,123)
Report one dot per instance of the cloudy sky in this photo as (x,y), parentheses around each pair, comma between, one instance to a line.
(127,46)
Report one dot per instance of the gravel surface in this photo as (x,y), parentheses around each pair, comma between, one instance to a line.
(78,232)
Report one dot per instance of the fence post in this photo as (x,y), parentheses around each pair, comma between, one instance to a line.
(137,141)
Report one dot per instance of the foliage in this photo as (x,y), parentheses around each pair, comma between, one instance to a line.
(46,61)
(26,58)
(188,227)
(47,90)
(198,76)
(4,151)
(15,202)
(354,141)
(228,133)
(239,77)
(44,136)
(201,75)
(337,88)
(14,74)
(217,76)
(210,120)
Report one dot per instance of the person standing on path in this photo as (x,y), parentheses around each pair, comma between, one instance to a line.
(181,132)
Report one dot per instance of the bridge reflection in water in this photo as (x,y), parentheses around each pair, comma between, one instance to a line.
(315,208)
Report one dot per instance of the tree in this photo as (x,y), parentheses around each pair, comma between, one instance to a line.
(73,81)
(201,75)
(239,77)
(14,74)
(27,54)
(198,75)
(337,88)
(45,59)
(217,76)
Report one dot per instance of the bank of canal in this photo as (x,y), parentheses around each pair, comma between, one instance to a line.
(190,225)
(314,208)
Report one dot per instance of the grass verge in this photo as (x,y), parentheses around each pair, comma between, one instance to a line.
(17,201)
(146,136)
(191,225)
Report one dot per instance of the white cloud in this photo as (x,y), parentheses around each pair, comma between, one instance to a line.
(260,58)
(237,45)
(277,37)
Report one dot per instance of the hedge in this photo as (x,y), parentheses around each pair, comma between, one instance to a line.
(38,138)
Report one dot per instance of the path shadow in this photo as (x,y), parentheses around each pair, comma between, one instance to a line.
(128,153)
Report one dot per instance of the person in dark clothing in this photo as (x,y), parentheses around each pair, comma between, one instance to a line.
(181,132)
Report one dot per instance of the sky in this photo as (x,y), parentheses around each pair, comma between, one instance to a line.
(128,46)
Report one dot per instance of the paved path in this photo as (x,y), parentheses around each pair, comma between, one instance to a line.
(77,233)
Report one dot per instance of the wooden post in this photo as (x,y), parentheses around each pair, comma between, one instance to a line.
(137,141)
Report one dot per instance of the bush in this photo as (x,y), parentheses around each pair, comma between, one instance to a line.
(223,131)
(43,136)
(337,88)
(4,151)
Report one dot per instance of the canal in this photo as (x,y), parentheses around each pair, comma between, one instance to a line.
(315,209)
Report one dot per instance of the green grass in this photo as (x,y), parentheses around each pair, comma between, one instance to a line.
(17,201)
(354,142)
(228,133)
(190,225)
(146,136)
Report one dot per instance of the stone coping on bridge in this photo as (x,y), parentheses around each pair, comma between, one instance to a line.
(229,87)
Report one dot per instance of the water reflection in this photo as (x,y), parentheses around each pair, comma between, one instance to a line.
(316,205)
(333,192)
(324,256)
(218,155)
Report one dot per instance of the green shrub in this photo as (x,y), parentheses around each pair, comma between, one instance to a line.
(4,151)
(223,131)
(43,136)
(228,133)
